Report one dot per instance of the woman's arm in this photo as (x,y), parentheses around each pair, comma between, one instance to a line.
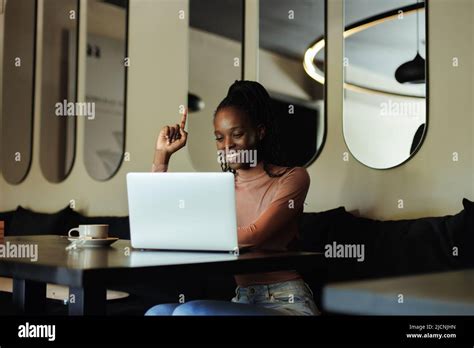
(160,162)
(286,206)
(170,140)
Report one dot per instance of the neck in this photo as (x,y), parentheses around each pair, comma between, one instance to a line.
(251,173)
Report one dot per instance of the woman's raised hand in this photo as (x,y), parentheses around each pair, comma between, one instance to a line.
(172,138)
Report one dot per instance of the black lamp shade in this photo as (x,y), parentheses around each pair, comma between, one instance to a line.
(412,71)
(195,103)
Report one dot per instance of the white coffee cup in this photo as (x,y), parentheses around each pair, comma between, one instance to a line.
(90,231)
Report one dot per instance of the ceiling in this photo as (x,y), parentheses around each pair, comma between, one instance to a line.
(375,53)
(121,3)
(378,50)
(277,33)
(292,37)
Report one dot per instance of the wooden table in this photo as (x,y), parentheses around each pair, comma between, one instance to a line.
(89,271)
(445,293)
(59,292)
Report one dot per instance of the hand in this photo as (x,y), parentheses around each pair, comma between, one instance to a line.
(172,138)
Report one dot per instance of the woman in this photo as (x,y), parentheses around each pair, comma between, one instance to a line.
(269,200)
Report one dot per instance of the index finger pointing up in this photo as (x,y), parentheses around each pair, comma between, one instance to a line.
(183,119)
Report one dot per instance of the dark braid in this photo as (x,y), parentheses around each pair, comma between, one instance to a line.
(225,167)
(252,98)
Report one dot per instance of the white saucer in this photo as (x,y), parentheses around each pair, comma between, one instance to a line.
(96,242)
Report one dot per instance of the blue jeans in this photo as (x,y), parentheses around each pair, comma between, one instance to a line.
(286,298)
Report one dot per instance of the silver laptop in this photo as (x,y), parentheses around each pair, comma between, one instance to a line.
(182,211)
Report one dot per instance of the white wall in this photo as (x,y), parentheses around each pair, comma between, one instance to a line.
(2,180)
(212,71)
(379,129)
(157,85)
(430,183)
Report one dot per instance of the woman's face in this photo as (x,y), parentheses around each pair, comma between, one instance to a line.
(237,137)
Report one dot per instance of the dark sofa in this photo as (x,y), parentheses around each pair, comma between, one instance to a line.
(392,248)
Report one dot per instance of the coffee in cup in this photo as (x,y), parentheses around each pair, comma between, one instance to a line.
(90,231)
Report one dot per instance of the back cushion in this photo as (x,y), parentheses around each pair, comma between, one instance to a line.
(27,222)
(393,247)
(316,228)
(468,246)
(6,217)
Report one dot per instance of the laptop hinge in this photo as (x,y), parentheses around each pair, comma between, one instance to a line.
(235,251)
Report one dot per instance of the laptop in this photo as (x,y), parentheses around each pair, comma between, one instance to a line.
(183,211)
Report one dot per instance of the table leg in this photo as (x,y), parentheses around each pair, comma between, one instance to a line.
(29,296)
(87,301)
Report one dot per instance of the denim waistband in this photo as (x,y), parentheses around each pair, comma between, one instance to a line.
(265,289)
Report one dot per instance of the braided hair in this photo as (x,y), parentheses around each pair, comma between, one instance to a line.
(252,98)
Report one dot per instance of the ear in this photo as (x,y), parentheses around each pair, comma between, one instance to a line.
(261,132)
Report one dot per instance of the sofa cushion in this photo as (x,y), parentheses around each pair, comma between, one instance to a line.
(27,222)
(315,228)
(468,253)
(390,247)
(416,246)
(23,221)
(6,217)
